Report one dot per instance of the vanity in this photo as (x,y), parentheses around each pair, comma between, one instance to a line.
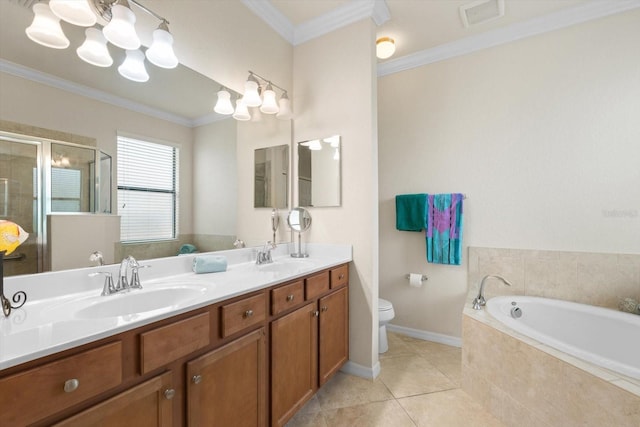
(245,347)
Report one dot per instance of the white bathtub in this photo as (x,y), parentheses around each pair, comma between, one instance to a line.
(604,337)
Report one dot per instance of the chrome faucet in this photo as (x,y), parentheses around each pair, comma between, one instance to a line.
(479,301)
(123,282)
(264,256)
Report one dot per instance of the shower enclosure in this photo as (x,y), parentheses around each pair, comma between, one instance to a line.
(39,177)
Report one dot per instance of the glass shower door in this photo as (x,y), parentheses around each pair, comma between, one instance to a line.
(20,201)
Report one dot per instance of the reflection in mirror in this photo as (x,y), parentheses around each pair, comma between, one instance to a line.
(319,176)
(271,172)
(299,220)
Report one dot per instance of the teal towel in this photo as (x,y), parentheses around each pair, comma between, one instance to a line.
(187,248)
(411,212)
(209,264)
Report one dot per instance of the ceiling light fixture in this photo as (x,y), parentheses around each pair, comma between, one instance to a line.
(385,47)
(119,31)
(258,92)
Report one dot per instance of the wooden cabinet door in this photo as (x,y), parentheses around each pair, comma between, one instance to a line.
(227,387)
(146,405)
(334,333)
(294,355)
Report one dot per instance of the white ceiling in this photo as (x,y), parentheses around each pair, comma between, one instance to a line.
(418,25)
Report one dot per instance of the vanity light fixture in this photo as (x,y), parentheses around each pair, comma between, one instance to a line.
(119,31)
(258,92)
(385,47)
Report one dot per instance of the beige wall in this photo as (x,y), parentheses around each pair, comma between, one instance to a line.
(541,134)
(214,185)
(335,93)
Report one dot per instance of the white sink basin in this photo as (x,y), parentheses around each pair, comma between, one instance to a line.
(126,304)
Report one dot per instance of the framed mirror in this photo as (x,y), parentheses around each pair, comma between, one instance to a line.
(271,177)
(319,172)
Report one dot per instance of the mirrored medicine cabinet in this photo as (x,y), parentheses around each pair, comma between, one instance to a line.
(319,172)
(271,177)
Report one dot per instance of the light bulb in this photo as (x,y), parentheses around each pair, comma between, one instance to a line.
(120,30)
(269,104)
(385,47)
(94,49)
(285,112)
(223,105)
(45,28)
(161,51)
(76,12)
(242,112)
(133,68)
(251,97)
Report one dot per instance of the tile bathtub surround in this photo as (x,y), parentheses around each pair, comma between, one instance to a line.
(524,386)
(599,279)
(419,386)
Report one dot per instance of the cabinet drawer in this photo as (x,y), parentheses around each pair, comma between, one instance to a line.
(168,343)
(316,285)
(286,297)
(339,276)
(243,314)
(45,390)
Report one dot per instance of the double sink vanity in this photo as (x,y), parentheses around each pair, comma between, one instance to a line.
(244,347)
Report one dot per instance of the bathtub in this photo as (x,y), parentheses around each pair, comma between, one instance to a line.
(604,337)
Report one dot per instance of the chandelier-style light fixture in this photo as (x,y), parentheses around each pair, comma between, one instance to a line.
(119,31)
(258,92)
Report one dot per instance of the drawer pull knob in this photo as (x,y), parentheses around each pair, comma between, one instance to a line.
(341,276)
(290,297)
(325,308)
(248,313)
(316,313)
(71,385)
(197,379)
(169,393)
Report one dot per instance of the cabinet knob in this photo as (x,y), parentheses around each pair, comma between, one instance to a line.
(341,276)
(169,393)
(71,385)
(290,297)
(316,313)
(248,313)
(324,308)
(197,379)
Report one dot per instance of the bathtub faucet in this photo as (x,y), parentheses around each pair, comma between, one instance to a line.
(479,301)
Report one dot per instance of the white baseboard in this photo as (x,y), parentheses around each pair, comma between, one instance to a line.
(353,368)
(426,335)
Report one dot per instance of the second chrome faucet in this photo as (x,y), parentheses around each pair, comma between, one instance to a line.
(479,301)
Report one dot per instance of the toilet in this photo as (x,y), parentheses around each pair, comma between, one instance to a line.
(385,315)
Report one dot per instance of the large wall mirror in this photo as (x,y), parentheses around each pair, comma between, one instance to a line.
(319,172)
(174,106)
(271,177)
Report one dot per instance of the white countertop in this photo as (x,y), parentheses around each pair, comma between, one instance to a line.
(46,324)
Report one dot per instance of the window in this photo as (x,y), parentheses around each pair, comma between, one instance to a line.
(147,190)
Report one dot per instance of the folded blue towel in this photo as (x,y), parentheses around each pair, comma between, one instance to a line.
(187,248)
(209,264)
(411,212)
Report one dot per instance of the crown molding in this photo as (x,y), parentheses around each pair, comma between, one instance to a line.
(350,12)
(273,17)
(78,89)
(554,21)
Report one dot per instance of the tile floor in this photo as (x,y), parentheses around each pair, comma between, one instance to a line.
(418,386)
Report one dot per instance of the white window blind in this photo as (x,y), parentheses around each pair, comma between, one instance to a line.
(147,190)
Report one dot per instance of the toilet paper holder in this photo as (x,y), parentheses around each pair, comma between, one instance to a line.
(422,279)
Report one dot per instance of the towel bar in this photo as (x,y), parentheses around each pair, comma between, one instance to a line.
(423,278)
